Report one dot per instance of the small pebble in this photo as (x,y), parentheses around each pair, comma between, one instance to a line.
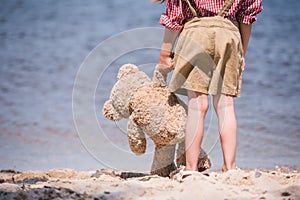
(257,174)
(285,194)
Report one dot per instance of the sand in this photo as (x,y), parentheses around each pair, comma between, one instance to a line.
(279,183)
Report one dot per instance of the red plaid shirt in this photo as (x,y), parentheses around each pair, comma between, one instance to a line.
(178,11)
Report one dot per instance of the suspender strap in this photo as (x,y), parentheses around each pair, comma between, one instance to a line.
(192,9)
(222,13)
(225,8)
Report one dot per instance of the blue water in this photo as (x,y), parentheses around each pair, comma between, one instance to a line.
(44,43)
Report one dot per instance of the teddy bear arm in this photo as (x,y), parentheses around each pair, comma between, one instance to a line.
(110,112)
(159,77)
(136,138)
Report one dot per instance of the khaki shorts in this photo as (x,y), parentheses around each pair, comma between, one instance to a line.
(208,58)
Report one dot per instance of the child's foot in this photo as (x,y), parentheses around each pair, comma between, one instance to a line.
(225,169)
(181,173)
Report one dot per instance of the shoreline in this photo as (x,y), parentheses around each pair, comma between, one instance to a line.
(63,183)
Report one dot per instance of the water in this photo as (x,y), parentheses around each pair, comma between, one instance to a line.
(43,44)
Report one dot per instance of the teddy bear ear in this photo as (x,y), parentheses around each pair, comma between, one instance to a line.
(110,112)
(126,69)
(159,78)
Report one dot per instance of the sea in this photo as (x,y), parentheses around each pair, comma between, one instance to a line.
(59,61)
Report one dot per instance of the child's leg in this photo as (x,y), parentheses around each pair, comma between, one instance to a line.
(197,108)
(224,106)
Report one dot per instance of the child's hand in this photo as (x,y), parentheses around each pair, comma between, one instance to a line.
(165,64)
(243,64)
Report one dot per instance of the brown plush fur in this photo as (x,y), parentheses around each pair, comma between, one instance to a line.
(153,110)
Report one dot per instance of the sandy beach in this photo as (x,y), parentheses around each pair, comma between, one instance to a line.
(279,183)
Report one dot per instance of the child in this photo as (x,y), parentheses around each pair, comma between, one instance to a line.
(242,13)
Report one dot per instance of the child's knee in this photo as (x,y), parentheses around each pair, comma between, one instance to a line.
(198,102)
(223,101)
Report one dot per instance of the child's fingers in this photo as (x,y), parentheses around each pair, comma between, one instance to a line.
(243,64)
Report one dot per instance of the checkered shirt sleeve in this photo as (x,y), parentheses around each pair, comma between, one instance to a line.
(178,12)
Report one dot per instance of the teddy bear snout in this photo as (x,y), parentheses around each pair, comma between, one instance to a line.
(110,112)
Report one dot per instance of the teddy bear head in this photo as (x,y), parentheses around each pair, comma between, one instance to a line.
(129,78)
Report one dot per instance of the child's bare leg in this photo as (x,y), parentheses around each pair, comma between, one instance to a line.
(224,106)
(197,108)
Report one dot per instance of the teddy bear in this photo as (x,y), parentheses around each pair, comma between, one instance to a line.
(153,111)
